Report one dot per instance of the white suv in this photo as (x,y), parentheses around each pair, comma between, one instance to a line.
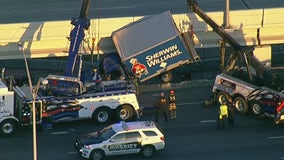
(144,137)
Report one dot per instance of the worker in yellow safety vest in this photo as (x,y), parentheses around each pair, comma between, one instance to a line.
(222,115)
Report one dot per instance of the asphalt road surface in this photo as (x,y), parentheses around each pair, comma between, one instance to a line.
(14,11)
(193,135)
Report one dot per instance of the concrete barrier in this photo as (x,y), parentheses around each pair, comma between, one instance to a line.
(43,39)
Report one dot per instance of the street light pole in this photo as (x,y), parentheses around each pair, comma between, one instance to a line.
(34,125)
(33,91)
(227,14)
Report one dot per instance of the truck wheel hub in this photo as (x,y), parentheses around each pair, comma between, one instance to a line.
(102,116)
(124,114)
(7,128)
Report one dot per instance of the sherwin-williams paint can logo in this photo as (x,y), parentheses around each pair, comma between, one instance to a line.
(138,69)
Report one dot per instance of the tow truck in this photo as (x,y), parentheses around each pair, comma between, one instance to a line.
(244,78)
(66,97)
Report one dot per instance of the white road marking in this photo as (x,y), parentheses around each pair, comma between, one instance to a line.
(276,137)
(62,132)
(208,121)
(72,152)
(181,104)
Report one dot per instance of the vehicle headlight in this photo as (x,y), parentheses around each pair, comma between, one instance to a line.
(87,146)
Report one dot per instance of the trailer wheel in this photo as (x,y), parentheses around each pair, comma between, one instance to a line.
(221,96)
(8,127)
(124,113)
(102,115)
(256,109)
(241,105)
(167,77)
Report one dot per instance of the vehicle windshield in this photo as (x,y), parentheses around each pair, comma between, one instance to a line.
(106,133)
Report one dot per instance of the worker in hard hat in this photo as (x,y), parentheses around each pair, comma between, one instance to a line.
(96,76)
(172,105)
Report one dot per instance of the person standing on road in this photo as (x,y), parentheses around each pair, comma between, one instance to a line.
(161,107)
(223,115)
(231,112)
(279,112)
(172,105)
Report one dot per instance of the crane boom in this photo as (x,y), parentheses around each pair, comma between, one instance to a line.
(239,52)
(76,36)
(218,29)
(264,75)
(84,9)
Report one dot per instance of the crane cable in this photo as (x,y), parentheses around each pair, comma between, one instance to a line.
(98,30)
(93,32)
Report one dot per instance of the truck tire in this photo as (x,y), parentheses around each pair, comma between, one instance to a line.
(8,127)
(241,104)
(256,109)
(167,77)
(102,115)
(97,154)
(147,151)
(124,113)
(221,96)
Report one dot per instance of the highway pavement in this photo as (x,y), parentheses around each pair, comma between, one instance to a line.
(193,135)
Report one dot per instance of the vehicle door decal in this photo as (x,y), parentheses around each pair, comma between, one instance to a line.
(125,146)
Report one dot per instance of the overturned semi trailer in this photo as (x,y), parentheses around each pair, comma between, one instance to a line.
(153,46)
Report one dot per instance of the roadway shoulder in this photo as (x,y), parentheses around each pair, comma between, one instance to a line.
(181,85)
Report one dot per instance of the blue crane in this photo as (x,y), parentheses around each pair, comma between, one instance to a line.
(77,36)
